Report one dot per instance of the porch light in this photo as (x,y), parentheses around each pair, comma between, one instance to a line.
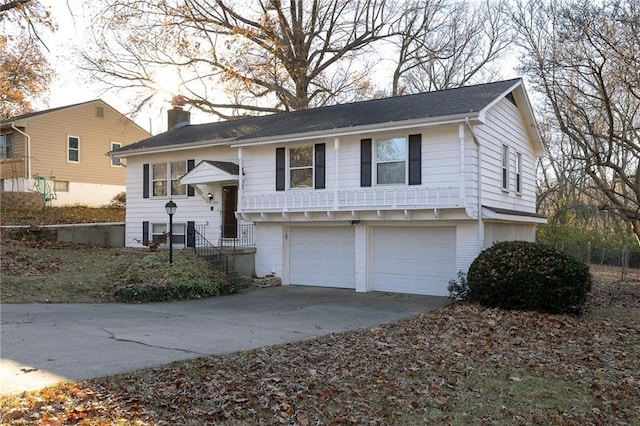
(171,208)
(210,197)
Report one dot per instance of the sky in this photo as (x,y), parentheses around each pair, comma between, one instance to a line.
(68,86)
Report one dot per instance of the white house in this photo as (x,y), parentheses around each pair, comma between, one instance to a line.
(395,194)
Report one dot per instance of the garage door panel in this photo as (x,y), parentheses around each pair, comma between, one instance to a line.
(413,260)
(322,256)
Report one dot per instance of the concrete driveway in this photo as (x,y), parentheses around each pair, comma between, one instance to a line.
(41,344)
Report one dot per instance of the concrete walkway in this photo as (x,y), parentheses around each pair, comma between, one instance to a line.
(41,344)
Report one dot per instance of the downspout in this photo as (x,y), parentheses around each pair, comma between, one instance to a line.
(336,148)
(13,126)
(462,191)
(240,183)
(479,182)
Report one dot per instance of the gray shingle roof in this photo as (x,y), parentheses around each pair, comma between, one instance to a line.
(226,166)
(394,109)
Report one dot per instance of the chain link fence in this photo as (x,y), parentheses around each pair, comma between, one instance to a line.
(613,263)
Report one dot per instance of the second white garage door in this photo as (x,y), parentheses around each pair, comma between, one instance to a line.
(413,260)
(322,256)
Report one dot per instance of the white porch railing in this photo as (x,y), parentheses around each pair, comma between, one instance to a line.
(354,199)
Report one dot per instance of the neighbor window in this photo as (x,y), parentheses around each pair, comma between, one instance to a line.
(6,146)
(73,149)
(505,167)
(115,162)
(301,167)
(60,186)
(166,178)
(518,173)
(391,161)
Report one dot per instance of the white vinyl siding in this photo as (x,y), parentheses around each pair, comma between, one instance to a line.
(504,125)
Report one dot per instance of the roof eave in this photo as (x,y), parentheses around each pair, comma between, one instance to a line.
(124,153)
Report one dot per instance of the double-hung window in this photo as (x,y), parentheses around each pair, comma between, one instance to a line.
(391,161)
(177,236)
(519,173)
(505,167)
(6,146)
(73,149)
(301,167)
(115,161)
(166,179)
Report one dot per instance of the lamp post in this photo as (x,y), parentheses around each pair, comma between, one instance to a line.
(171,208)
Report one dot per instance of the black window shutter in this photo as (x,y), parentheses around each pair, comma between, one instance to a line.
(145,232)
(365,162)
(190,189)
(191,234)
(280,169)
(320,170)
(145,181)
(415,159)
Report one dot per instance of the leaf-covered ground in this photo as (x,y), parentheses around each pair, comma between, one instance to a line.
(60,215)
(462,364)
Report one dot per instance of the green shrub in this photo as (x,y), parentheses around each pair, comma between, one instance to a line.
(528,276)
(459,289)
(119,201)
(153,279)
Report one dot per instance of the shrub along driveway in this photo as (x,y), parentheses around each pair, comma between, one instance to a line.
(45,343)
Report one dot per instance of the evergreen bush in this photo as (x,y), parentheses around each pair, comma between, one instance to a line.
(528,276)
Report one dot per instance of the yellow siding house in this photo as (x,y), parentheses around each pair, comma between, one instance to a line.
(61,153)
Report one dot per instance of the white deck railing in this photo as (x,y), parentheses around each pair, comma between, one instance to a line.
(354,199)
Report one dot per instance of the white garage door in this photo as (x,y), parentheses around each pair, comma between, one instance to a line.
(413,260)
(322,256)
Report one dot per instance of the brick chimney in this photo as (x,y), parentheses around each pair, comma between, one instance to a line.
(176,116)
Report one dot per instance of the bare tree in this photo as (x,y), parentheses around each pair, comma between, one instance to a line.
(583,58)
(236,57)
(442,44)
(25,73)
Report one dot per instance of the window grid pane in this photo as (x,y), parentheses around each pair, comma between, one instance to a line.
(301,178)
(390,172)
(391,150)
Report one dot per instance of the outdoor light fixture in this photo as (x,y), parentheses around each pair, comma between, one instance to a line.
(171,208)
(210,197)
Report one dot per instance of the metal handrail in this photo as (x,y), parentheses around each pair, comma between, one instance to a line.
(239,235)
(208,251)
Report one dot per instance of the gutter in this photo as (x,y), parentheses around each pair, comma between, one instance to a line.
(13,126)
(479,183)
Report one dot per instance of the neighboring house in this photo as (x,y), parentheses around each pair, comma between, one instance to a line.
(395,194)
(62,153)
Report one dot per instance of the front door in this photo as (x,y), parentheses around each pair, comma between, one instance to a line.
(229,205)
